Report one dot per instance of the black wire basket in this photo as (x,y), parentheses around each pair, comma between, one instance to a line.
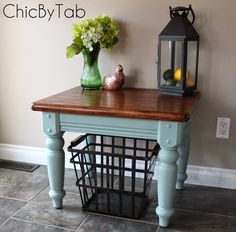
(114,174)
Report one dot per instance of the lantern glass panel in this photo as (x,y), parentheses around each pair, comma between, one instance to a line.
(165,58)
(171,59)
(178,55)
(191,63)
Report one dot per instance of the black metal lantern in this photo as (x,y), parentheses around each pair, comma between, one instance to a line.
(178,51)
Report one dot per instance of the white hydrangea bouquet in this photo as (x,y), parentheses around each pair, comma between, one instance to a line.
(100,32)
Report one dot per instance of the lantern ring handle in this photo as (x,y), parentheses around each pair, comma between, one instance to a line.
(192,12)
(184,12)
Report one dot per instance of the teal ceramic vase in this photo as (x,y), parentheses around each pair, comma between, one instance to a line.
(91,77)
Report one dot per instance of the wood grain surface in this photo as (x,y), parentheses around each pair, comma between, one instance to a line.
(125,103)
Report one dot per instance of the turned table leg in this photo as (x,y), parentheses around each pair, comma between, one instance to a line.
(55,158)
(183,156)
(169,135)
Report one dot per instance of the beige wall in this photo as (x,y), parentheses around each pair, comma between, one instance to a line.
(33,65)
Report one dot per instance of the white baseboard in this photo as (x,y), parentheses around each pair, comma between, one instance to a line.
(215,177)
(23,153)
(208,176)
(27,154)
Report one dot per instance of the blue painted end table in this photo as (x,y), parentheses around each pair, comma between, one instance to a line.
(138,113)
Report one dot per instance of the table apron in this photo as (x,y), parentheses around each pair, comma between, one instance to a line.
(162,131)
(137,128)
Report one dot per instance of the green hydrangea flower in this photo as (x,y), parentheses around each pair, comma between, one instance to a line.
(89,33)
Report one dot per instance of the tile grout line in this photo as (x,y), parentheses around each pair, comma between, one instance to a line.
(53,226)
(38,193)
(202,212)
(37,223)
(12,216)
(126,219)
(110,216)
(22,200)
(31,199)
(15,218)
(15,199)
(82,222)
(206,213)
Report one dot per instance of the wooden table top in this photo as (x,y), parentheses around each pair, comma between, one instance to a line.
(125,103)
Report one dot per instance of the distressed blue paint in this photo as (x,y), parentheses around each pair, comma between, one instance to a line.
(169,138)
(51,124)
(55,157)
(183,156)
(109,126)
(168,135)
(56,167)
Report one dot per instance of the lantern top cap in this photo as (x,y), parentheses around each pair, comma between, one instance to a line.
(182,11)
(179,26)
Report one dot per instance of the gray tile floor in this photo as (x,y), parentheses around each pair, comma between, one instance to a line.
(26,207)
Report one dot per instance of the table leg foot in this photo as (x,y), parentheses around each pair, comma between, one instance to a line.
(56,169)
(57,197)
(167,174)
(180,183)
(164,215)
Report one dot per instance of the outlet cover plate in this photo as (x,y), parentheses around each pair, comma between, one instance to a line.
(223,127)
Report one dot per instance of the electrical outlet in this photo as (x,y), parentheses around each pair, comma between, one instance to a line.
(222,129)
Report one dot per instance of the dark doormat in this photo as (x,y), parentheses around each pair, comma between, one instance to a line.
(27,167)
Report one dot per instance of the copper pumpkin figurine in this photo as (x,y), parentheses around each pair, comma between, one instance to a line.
(116,81)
